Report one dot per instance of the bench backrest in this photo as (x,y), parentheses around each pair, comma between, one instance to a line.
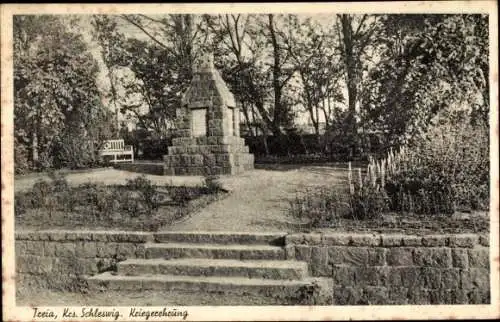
(111,145)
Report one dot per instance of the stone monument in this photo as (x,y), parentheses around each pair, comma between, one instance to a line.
(208,141)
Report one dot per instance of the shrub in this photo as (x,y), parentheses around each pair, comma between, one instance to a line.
(444,170)
(58,181)
(212,184)
(90,198)
(152,149)
(22,202)
(74,152)
(420,191)
(182,195)
(56,203)
(137,197)
(459,152)
(39,193)
(50,195)
(320,207)
(146,190)
(367,202)
(129,204)
(22,163)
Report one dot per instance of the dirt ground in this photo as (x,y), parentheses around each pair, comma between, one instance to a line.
(46,297)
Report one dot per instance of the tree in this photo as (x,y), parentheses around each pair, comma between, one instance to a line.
(56,95)
(313,53)
(161,67)
(356,35)
(111,43)
(258,69)
(428,63)
(178,34)
(236,55)
(152,93)
(281,75)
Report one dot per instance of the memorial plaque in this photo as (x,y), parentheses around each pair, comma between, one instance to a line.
(199,122)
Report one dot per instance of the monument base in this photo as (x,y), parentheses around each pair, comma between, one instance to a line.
(213,155)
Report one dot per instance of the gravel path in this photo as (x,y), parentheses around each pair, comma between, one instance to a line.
(259,200)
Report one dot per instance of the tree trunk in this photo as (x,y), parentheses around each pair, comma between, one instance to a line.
(350,64)
(247,118)
(329,113)
(34,147)
(265,141)
(303,144)
(276,124)
(316,126)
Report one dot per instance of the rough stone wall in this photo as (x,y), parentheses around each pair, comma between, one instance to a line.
(208,90)
(60,253)
(183,122)
(208,155)
(398,269)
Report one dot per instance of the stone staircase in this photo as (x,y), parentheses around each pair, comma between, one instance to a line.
(241,264)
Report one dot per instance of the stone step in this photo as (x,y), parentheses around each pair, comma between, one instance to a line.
(211,237)
(282,270)
(211,284)
(214,251)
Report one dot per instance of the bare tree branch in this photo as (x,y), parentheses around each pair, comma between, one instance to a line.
(152,19)
(356,34)
(131,21)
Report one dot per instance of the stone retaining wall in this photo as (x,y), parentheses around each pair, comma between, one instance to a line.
(398,269)
(55,255)
(365,269)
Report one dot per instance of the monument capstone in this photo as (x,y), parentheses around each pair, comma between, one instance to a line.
(208,138)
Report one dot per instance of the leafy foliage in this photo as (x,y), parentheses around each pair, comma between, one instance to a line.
(428,63)
(454,158)
(441,172)
(56,96)
(367,202)
(313,53)
(445,170)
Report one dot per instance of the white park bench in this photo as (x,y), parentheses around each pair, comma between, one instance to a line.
(117,148)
